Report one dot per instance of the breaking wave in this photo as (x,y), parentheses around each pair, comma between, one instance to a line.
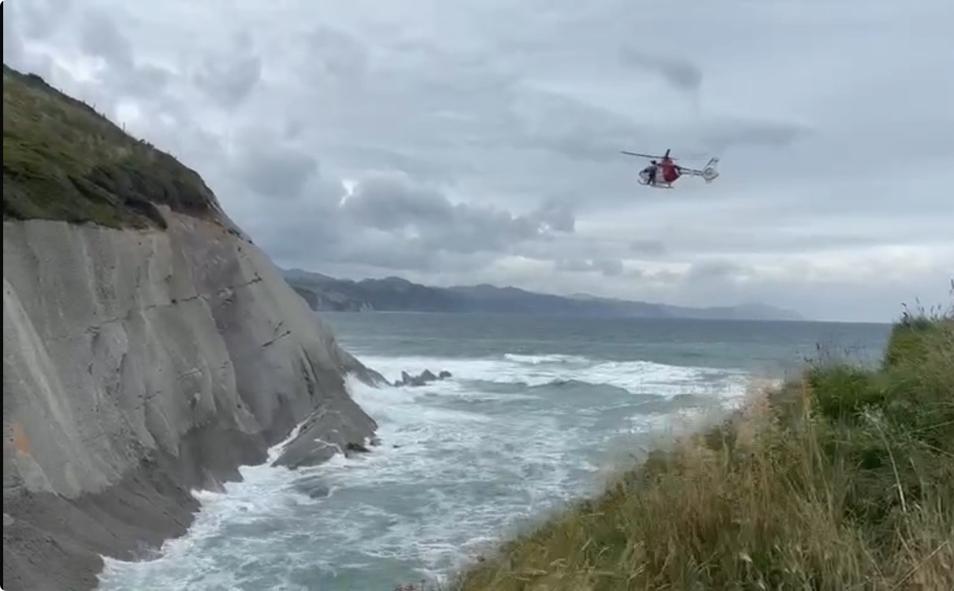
(636,377)
(463,461)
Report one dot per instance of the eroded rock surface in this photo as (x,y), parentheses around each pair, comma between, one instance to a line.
(139,364)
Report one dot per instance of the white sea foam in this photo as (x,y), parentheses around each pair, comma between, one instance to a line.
(552,358)
(462,462)
(637,377)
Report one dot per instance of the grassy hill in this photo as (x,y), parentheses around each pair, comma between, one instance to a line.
(64,161)
(844,480)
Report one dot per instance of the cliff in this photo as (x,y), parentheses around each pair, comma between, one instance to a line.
(149,347)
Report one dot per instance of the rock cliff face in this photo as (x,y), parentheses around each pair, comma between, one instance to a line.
(140,360)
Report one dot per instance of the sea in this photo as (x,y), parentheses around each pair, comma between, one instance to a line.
(537,412)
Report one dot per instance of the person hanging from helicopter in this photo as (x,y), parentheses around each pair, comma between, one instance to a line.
(651,172)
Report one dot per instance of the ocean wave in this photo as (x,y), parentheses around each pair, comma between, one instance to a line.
(462,462)
(555,358)
(636,376)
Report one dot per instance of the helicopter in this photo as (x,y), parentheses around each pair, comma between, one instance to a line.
(663,170)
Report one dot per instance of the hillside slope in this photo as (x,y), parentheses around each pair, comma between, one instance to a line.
(149,348)
(396,294)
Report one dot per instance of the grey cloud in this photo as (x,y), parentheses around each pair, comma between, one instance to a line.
(581,141)
(388,252)
(394,253)
(293,128)
(310,230)
(632,272)
(717,269)
(12,45)
(388,221)
(647,247)
(608,267)
(292,234)
(573,265)
(229,79)
(99,36)
(276,171)
(147,81)
(723,134)
(334,53)
(419,166)
(562,124)
(37,19)
(146,84)
(556,215)
(394,203)
(679,73)
(665,276)
(31,21)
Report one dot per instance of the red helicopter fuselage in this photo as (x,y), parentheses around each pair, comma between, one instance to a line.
(668,171)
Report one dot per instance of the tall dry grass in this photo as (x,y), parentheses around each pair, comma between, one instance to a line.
(841,480)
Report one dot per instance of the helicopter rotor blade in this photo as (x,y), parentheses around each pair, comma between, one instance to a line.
(638,154)
(651,156)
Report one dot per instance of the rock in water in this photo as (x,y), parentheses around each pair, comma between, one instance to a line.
(324,433)
(356,448)
(425,377)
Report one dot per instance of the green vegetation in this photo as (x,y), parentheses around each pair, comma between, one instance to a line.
(843,480)
(64,161)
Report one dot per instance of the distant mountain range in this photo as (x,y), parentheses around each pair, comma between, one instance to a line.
(395,294)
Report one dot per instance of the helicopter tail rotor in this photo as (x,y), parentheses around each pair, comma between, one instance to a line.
(711,170)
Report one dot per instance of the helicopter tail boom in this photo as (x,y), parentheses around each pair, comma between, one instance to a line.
(709,173)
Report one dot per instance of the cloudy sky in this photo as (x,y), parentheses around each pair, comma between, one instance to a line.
(478,140)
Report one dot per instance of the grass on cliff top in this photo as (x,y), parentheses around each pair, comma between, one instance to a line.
(844,480)
(64,161)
